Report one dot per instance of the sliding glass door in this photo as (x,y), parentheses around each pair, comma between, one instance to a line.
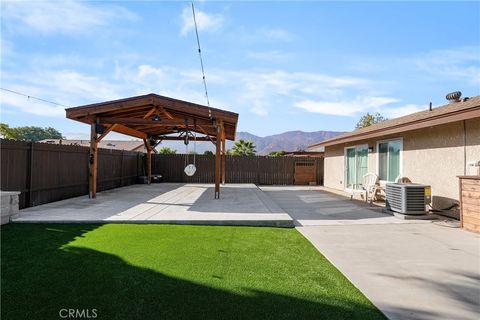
(356,166)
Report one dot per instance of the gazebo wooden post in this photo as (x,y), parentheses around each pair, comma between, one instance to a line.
(149,160)
(93,161)
(149,165)
(217,162)
(224,153)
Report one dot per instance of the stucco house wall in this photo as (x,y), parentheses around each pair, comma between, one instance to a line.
(434,156)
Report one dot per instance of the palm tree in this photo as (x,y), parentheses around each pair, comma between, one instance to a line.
(244,148)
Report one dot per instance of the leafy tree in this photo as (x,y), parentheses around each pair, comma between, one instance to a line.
(244,148)
(167,150)
(30,133)
(7,132)
(369,119)
(277,153)
(208,153)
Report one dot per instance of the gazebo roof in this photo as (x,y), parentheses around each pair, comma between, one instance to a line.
(156,116)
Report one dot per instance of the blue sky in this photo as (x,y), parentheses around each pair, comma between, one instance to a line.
(281,65)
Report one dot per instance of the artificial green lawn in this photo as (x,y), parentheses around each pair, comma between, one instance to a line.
(171,272)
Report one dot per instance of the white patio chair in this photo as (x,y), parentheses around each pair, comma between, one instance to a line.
(371,187)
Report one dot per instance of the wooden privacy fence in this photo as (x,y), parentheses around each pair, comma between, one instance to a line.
(46,172)
(262,170)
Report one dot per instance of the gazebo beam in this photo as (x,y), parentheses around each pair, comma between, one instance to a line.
(150,112)
(149,122)
(107,131)
(165,112)
(182,138)
(130,132)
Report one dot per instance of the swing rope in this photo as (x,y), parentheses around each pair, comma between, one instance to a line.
(194,141)
(186,141)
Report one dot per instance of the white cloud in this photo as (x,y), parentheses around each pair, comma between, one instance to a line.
(402,110)
(462,62)
(31,106)
(205,22)
(69,16)
(255,91)
(6,48)
(65,87)
(345,107)
(271,56)
(276,34)
(71,82)
(262,35)
(266,90)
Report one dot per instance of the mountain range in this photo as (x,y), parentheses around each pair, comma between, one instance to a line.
(286,141)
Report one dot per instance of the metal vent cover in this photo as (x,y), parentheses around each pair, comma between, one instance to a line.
(407,198)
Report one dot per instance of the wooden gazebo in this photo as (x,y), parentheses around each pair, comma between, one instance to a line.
(155,118)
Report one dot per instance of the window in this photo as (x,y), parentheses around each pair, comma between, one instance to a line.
(389,159)
(356,166)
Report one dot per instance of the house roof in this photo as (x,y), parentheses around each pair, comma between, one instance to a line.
(307,154)
(157,116)
(452,112)
(130,145)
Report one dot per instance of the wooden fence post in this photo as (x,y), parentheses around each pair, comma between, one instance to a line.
(30,178)
(121,169)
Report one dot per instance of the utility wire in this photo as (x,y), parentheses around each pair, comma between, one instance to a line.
(32,97)
(200,55)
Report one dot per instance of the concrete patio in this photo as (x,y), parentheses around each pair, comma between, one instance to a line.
(410,269)
(169,203)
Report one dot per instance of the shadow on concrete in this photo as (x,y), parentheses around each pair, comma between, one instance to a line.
(321,205)
(235,200)
(39,279)
(459,286)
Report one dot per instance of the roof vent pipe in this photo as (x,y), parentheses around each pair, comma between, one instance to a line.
(430,107)
(454,96)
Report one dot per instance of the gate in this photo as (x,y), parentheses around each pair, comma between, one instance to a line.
(305,171)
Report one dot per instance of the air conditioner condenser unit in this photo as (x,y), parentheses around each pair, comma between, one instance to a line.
(408,198)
